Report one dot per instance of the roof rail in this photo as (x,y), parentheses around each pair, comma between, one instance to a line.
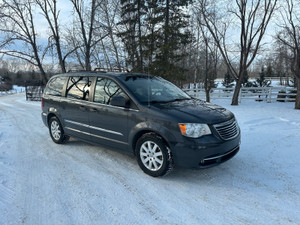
(104,70)
(74,71)
(99,69)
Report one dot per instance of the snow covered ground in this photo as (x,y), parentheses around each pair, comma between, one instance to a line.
(16,89)
(78,183)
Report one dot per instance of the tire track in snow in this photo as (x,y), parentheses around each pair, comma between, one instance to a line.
(7,194)
(81,184)
(103,161)
(34,172)
(7,190)
(26,167)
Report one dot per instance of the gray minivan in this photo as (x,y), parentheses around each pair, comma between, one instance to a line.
(145,115)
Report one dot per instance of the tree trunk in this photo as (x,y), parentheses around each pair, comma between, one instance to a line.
(60,58)
(106,58)
(235,97)
(87,59)
(297,101)
(39,63)
(166,41)
(43,74)
(140,66)
(207,92)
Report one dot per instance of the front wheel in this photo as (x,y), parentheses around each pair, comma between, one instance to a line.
(153,156)
(56,131)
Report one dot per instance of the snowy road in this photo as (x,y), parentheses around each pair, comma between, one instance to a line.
(77,183)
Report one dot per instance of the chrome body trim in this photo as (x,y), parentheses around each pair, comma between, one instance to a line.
(113,106)
(95,128)
(220,156)
(94,135)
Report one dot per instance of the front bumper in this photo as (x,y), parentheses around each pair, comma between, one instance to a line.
(203,153)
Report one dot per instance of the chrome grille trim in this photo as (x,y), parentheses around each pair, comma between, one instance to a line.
(220,156)
(227,130)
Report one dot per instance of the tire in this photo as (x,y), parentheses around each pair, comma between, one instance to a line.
(153,156)
(56,131)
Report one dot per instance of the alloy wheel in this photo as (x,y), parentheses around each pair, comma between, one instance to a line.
(55,130)
(151,156)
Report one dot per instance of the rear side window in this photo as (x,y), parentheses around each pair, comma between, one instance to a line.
(79,88)
(106,89)
(55,86)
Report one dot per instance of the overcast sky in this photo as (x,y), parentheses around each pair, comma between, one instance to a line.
(65,18)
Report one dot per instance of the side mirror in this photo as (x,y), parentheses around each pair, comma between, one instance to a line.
(119,101)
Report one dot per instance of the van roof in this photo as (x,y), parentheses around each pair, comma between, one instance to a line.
(101,73)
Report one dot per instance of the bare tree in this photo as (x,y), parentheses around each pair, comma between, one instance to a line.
(289,36)
(17,23)
(211,63)
(108,13)
(248,18)
(51,13)
(84,30)
(282,61)
(211,58)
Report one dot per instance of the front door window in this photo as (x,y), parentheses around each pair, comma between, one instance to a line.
(106,89)
(79,88)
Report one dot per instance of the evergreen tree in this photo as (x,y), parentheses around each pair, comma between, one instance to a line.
(261,81)
(245,81)
(228,80)
(132,14)
(173,37)
(152,38)
(269,72)
(155,33)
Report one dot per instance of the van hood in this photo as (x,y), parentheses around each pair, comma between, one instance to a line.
(195,111)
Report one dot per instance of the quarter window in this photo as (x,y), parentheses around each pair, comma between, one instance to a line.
(55,86)
(106,89)
(79,88)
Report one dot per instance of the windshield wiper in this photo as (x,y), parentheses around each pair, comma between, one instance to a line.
(178,99)
(167,101)
(154,101)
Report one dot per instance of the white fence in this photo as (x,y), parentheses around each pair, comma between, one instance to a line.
(268,94)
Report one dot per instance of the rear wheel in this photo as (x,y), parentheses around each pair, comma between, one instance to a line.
(153,156)
(56,131)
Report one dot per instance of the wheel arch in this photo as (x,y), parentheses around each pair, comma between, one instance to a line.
(161,133)
(50,115)
(151,163)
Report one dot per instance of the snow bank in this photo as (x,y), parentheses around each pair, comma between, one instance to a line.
(78,183)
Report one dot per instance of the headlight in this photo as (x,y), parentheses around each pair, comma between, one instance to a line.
(194,130)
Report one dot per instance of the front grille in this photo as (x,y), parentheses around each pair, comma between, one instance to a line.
(227,130)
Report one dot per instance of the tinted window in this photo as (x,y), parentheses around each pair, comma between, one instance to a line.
(153,89)
(55,86)
(79,88)
(106,89)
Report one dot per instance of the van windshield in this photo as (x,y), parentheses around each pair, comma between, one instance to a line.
(149,89)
